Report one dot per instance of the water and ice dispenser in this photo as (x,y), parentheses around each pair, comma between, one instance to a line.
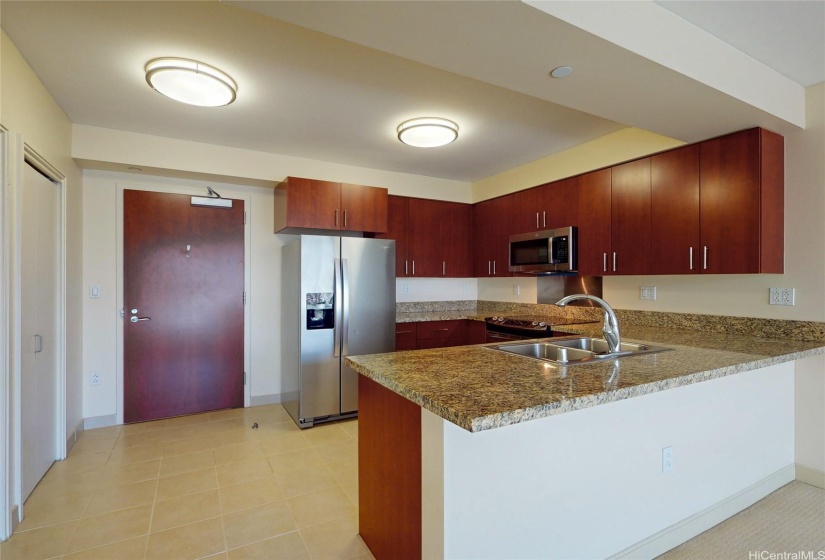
(320,311)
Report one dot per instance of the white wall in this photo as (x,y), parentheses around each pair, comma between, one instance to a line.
(435,289)
(589,483)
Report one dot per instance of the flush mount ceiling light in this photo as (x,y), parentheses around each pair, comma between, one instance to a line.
(561,72)
(427,132)
(190,81)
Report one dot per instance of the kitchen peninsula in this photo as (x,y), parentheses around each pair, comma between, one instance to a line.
(468,452)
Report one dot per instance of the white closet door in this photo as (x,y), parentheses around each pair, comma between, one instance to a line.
(40,203)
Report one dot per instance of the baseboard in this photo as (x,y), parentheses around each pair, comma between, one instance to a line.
(810,476)
(73,437)
(15,518)
(100,421)
(265,399)
(688,528)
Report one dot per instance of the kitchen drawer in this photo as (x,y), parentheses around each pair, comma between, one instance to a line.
(442,329)
(442,342)
(405,332)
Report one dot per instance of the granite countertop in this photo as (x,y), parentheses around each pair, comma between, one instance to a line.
(478,388)
(438,316)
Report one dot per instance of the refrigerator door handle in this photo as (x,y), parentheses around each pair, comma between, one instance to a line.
(338,311)
(345,302)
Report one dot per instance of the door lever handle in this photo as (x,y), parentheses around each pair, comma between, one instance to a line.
(39,338)
(135,319)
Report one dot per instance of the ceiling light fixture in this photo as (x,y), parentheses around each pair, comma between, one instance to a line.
(427,132)
(561,72)
(190,81)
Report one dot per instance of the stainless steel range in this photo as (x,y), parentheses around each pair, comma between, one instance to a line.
(500,329)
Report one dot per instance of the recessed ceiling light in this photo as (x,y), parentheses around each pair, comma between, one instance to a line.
(190,81)
(561,72)
(427,132)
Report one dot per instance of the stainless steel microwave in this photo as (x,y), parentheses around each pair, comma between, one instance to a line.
(548,251)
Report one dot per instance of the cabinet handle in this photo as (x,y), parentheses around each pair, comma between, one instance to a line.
(614,261)
(345,218)
(543,218)
(537,220)
(406,268)
(604,262)
(691,258)
(706,258)
(443,268)
(494,268)
(336,217)
(488,268)
(413,267)
(441,329)
(403,332)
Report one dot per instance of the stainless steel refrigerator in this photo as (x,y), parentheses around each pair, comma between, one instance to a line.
(338,299)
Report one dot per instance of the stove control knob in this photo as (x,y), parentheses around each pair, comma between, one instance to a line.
(542,324)
(534,323)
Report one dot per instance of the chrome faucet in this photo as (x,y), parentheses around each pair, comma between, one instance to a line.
(611,323)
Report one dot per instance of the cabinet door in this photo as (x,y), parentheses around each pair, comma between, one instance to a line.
(397,228)
(674,189)
(594,223)
(311,203)
(630,213)
(729,202)
(559,204)
(491,236)
(527,210)
(455,238)
(424,244)
(363,208)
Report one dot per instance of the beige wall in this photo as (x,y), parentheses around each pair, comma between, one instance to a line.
(27,108)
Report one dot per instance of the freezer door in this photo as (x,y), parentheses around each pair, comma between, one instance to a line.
(320,368)
(369,306)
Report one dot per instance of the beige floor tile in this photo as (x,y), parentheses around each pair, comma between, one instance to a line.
(113,498)
(284,443)
(184,510)
(187,420)
(304,481)
(51,507)
(350,427)
(140,439)
(131,549)
(318,507)
(325,433)
(37,544)
(284,547)
(143,427)
(80,462)
(178,464)
(271,416)
(187,432)
(250,494)
(235,453)
(131,472)
(335,539)
(196,540)
(346,450)
(189,445)
(295,460)
(236,436)
(186,483)
(266,431)
(97,433)
(123,455)
(257,524)
(94,445)
(74,483)
(218,556)
(243,471)
(112,527)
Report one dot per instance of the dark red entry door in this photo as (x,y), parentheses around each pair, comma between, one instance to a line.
(184,308)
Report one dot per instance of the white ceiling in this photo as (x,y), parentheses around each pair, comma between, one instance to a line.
(331,80)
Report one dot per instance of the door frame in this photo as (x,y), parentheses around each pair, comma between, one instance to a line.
(190,190)
(14,155)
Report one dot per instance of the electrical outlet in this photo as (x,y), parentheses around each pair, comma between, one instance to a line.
(94,379)
(516,289)
(782,296)
(466,288)
(406,289)
(667,459)
(647,292)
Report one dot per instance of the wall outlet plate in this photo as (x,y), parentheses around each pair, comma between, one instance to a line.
(647,292)
(94,379)
(667,459)
(782,296)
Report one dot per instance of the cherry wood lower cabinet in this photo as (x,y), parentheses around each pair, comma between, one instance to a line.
(439,334)
(406,336)
(389,472)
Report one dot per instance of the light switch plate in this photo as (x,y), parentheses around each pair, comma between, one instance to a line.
(94,291)
(647,292)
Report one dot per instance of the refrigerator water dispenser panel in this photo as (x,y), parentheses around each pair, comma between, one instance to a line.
(320,312)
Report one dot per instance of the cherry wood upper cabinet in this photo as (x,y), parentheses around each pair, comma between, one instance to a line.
(312,204)
(425,238)
(456,226)
(527,208)
(742,203)
(595,223)
(674,186)
(398,229)
(630,218)
(491,237)
(549,206)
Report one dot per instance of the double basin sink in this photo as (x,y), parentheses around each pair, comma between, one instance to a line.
(575,351)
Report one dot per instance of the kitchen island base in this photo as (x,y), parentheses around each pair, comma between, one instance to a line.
(583,484)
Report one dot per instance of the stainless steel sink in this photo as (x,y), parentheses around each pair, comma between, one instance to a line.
(575,350)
